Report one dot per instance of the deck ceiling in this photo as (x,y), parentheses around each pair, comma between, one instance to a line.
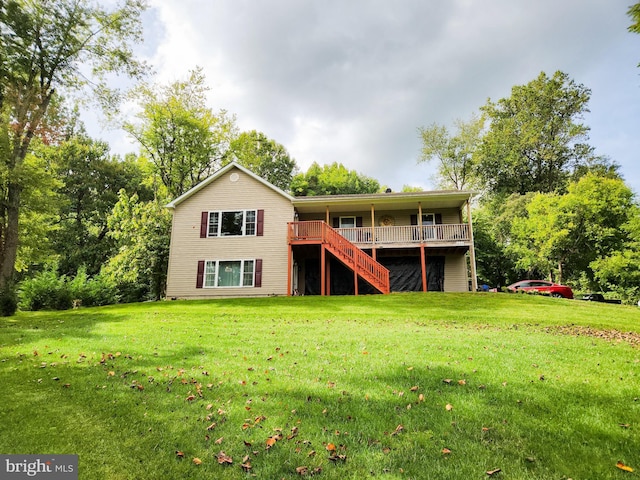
(382,201)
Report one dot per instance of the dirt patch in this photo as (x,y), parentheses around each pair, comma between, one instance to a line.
(632,338)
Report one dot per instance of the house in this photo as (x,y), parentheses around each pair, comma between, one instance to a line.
(235,234)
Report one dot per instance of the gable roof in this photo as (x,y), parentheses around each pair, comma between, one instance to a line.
(219,173)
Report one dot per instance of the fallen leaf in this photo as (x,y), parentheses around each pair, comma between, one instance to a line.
(447,381)
(493,472)
(190,398)
(302,470)
(398,429)
(223,458)
(446,451)
(179,454)
(414,388)
(331,447)
(271,441)
(625,425)
(462,382)
(624,467)
(421,398)
(197,461)
(334,457)
(219,441)
(448,407)
(246,465)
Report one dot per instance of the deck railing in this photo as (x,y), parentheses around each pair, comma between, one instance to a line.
(407,234)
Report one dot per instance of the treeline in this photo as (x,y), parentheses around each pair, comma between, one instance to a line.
(548,206)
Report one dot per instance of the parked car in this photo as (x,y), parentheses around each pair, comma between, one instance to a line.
(598,297)
(541,286)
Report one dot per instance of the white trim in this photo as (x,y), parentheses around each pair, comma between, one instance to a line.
(244,222)
(217,273)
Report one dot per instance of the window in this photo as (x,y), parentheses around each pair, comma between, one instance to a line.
(347,222)
(231,223)
(428,219)
(229,273)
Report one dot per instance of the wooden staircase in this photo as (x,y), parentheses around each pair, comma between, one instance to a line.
(350,255)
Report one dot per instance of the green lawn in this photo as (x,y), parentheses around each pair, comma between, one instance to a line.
(406,386)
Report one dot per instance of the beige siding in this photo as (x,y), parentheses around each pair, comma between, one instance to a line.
(455,274)
(187,248)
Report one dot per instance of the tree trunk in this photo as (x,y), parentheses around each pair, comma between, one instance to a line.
(10,240)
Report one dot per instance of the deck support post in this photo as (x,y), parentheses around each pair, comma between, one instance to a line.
(289,269)
(323,272)
(423,265)
(472,251)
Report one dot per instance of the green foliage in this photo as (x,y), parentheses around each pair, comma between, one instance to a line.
(454,153)
(332,179)
(620,270)
(634,13)
(183,138)
(39,213)
(535,138)
(90,181)
(548,235)
(141,231)
(47,47)
(47,290)
(264,157)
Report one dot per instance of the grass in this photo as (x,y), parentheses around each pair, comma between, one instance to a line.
(407,386)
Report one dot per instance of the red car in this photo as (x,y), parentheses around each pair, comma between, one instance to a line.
(542,286)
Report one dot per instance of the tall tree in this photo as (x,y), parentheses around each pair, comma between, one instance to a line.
(634,13)
(560,235)
(535,138)
(334,179)
(90,181)
(183,138)
(47,46)
(264,157)
(453,152)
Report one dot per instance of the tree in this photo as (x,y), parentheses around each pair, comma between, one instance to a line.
(620,271)
(47,46)
(535,139)
(90,181)
(634,13)
(264,157)
(141,231)
(561,235)
(454,153)
(184,139)
(332,179)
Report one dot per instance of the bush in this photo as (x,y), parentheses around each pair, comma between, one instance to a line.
(47,290)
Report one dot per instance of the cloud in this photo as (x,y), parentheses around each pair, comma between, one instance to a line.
(352,81)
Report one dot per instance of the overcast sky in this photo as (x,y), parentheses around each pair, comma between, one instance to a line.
(352,80)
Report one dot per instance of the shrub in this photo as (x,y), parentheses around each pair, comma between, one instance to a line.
(46,290)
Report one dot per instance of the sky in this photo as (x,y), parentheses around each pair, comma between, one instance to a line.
(352,81)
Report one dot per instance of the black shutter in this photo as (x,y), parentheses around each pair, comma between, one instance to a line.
(358,221)
(260,223)
(200,275)
(204,224)
(258,273)
(336,222)
(414,219)
(438,219)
